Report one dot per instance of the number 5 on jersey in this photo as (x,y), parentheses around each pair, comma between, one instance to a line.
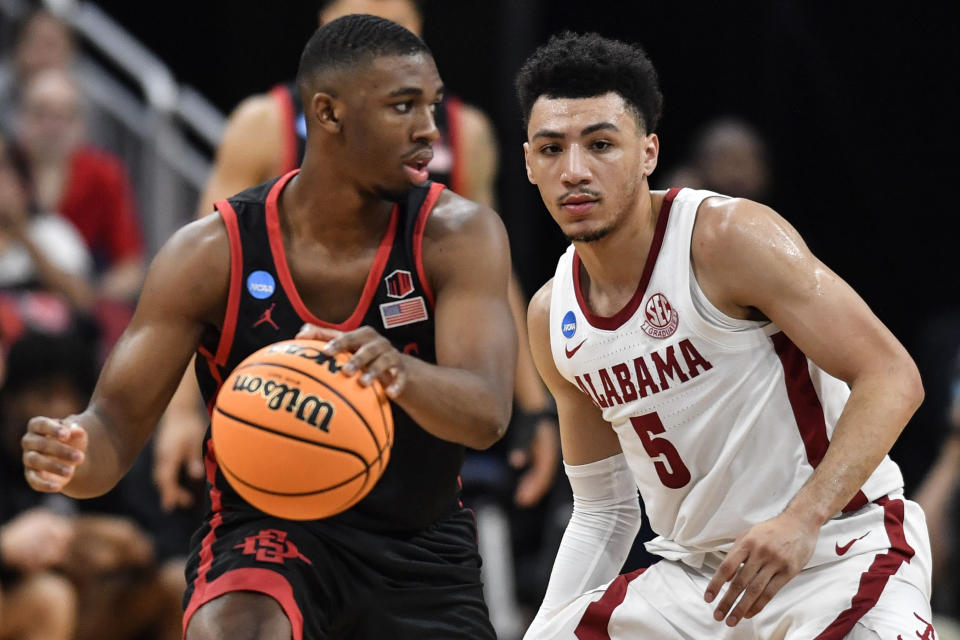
(673,473)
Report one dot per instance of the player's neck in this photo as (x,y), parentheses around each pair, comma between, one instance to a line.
(318,205)
(613,266)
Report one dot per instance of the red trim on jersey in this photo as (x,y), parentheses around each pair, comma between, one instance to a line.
(286,280)
(807,410)
(262,581)
(229,217)
(454,111)
(611,323)
(593,625)
(873,581)
(418,230)
(290,152)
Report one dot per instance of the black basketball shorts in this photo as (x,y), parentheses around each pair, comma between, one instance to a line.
(338,582)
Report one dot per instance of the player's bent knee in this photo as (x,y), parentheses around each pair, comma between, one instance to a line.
(240,615)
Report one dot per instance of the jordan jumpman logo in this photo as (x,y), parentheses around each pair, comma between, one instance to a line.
(267,317)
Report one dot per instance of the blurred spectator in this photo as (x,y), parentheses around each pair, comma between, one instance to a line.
(108,559)
(42,42)
(728,156)
(938,495)
(90,188)
(38,249)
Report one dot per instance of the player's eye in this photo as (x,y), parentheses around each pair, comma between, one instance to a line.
(550,149)
(601,145)
(403,107)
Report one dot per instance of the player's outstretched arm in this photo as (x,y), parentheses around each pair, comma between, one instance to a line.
(86,454)
(750,261)
(606,512)
(465,397)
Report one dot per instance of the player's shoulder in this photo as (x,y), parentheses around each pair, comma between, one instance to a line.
(726,227)
(204,236)
(454,216)
(538,310)
(255,115)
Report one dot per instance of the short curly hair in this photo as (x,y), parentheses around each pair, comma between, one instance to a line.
(585,65)
(355,39)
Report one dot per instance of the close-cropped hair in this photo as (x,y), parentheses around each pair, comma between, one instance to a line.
(352,40)
(572,65)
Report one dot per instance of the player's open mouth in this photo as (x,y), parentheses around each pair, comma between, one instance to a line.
(416,166)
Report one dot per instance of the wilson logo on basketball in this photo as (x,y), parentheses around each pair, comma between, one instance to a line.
(661,319)
(307,407)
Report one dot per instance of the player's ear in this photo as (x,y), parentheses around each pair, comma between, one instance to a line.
(327,111)
(526,162)
(651,153)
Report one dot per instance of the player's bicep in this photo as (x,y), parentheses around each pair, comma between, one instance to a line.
(474,325)
(184,290)
(584,435)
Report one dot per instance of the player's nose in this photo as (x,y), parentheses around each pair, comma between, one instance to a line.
(574,169)
(426,128)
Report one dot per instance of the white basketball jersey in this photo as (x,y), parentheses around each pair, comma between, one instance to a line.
(721,420)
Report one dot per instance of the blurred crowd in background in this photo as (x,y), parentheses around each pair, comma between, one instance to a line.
(75,241)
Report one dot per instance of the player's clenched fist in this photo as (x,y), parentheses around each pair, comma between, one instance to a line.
(52,451)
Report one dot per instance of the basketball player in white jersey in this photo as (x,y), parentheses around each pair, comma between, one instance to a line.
(698,350)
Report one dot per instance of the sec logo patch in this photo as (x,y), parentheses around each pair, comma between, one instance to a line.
(660,318)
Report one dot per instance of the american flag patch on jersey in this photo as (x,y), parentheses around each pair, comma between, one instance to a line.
(396,314)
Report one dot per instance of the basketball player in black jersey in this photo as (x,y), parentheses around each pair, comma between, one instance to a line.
(321,246)
(265,137)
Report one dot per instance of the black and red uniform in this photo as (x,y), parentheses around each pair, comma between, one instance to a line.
(447,149)
(403,562)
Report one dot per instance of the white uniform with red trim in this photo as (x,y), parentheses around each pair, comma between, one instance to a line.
(721,422)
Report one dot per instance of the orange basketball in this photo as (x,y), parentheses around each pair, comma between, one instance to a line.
(295,436)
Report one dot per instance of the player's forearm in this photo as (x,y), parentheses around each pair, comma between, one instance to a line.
(606,518)
(105,460)
(876,412)
(455,404)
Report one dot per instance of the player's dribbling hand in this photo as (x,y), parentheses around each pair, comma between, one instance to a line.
(761,561)
(373,355)
(52,451)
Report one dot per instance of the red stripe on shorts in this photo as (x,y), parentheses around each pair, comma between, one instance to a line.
(262,581)
(873,581)
(593,624)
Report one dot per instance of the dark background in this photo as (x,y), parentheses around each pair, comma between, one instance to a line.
(858,101)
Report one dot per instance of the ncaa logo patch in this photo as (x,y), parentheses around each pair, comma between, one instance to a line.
(660,318)
(568,326)
(399,283)
(261,284)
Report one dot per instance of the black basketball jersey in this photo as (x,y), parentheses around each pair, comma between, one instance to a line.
(443,168)
(421,481)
